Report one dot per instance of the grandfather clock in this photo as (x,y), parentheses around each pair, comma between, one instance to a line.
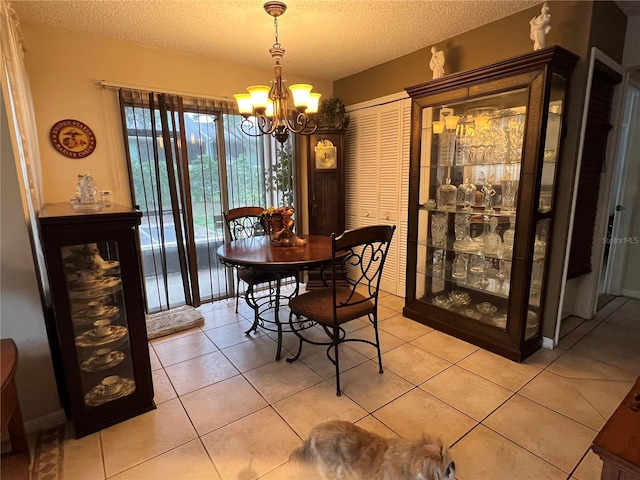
(326,182)
(325,173)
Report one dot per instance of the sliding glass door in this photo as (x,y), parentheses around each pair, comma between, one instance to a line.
(188,163)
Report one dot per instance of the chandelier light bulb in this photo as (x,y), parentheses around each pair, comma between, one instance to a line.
(259,97)
(301,93)
(451,122)
(270,109)
(244,104)
(438,127)
(314,102)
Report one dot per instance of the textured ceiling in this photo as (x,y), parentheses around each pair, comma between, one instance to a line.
(327,39)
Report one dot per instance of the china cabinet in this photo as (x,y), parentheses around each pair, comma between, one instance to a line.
(95,280)
(484,149)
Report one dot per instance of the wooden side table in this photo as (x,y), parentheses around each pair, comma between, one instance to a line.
(618,443)
(17,464)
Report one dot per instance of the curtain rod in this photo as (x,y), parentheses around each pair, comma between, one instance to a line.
(108,84)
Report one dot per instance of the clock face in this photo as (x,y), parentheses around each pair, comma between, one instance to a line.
(326,155)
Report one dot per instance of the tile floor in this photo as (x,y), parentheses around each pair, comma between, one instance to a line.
(227,410)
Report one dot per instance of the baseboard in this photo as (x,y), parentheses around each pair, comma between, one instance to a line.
(631,293)
(43,423)
(548,343)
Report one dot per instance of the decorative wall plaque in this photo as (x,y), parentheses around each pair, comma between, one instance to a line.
(72,138)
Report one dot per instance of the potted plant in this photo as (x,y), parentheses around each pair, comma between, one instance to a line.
(332,114)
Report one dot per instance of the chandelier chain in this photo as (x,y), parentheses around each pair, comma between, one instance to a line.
(275,25)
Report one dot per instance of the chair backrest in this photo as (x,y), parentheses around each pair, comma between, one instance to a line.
(244,222)
(358,259)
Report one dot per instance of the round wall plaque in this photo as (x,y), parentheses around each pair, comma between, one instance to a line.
(72,138)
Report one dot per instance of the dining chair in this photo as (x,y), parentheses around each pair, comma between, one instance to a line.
(244,222)
(357,260)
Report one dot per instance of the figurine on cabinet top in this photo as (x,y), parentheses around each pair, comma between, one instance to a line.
(84,197)
(540,27)
(437,62)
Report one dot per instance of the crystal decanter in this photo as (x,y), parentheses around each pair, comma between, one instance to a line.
(447,194)
(459,265)
(492,239)
(466,194)
(464,242)
(508,236)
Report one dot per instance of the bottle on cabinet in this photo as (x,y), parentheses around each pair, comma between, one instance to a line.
(466,194)
(447,195)
(509,235)
(492,239)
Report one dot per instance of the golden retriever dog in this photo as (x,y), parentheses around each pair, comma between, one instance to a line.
(342,451)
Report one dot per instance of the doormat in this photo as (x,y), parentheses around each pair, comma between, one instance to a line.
(49,454)
(172,321)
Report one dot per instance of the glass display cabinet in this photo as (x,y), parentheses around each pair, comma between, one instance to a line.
(484,149)
(100,331)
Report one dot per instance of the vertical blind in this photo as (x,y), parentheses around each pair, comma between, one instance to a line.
(188,163)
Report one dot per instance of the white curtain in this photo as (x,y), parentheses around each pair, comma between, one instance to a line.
(17,94)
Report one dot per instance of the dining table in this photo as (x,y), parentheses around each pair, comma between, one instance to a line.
(258,253)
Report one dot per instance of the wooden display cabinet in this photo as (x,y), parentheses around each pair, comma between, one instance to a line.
(484,149)
(95,279)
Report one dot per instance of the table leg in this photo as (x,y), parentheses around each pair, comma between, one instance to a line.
(277,316)
(254,306)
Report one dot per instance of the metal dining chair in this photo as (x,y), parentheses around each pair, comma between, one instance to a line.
(244,222)
(358,257)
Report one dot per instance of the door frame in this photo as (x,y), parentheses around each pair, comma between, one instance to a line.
(586,287)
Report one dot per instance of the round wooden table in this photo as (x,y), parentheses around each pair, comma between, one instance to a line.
(258,254)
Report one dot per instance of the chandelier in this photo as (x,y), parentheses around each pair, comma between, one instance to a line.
(268,105)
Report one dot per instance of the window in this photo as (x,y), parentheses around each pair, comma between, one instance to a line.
(188,163)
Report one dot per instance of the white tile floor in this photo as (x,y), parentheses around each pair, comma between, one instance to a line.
(227,410)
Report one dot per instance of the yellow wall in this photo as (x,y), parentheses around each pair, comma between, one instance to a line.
(65,71)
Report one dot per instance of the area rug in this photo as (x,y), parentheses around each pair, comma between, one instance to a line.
(49,454)
(172,321)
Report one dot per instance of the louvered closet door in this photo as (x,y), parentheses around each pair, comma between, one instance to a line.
(401,232)
(351,171)
(368,167)
(390,163)
(377,157)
